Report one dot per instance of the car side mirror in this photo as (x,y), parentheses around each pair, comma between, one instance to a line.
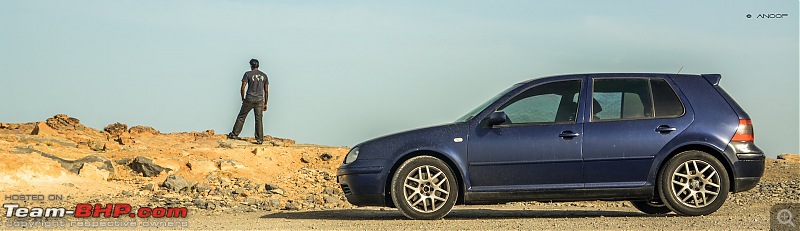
(497,117)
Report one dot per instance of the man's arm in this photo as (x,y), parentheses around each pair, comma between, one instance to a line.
(241,91)
(266,95)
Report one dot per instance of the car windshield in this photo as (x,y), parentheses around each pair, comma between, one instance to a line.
(480,108)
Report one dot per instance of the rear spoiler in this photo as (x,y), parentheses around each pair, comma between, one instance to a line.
(713,79)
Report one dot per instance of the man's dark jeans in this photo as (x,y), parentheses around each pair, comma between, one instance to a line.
(258,109)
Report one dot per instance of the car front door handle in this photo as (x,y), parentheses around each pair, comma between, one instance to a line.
(665,129)
(568,135)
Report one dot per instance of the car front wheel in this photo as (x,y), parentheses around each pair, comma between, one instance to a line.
(424,187)
(694,183)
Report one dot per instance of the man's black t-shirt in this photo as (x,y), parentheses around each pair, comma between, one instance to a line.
(255,85)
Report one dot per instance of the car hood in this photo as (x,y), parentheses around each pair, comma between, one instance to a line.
(433,137)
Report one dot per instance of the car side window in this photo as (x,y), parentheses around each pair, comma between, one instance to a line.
(666,102)
(616,99)
(547,103)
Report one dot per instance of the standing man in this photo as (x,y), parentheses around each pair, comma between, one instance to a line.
(256,99)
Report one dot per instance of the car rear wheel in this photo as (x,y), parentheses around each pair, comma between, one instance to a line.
(694,183)
(651,207)
(424,187)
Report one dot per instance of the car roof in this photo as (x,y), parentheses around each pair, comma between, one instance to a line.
(600,75)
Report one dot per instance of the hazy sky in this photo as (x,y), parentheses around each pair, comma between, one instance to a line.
(346,71)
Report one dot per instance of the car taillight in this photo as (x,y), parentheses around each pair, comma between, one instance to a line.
(744,133)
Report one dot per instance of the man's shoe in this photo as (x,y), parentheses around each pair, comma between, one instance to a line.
(259,142)
(232,137)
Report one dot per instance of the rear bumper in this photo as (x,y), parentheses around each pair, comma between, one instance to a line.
(748,165)
(747,173)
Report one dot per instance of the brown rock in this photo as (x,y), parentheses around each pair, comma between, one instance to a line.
(143,130)
(116,129)
(3,125)
(62,121)
(306,158)
(96,145)
(789,157)
(91,170)
(42,128)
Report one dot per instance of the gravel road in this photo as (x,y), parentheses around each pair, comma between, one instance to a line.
(517,216)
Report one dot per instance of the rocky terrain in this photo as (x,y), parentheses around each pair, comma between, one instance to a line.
(142,166)
(234,184)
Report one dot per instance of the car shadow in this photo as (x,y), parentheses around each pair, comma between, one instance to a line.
(456,214)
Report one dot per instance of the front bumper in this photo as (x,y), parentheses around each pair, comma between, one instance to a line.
(362,186)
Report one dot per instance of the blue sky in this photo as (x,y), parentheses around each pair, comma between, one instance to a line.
(343,72)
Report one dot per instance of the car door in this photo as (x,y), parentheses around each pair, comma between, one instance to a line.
(539,148)
(630,121)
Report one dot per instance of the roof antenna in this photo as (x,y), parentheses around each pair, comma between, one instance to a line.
(679,70)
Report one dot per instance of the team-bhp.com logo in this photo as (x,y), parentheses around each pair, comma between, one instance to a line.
(18,216)
(768,16)
(98,210)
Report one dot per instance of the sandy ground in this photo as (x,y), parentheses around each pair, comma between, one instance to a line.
(517,216)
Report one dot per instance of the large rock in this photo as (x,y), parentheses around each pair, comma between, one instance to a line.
(118,132)
(62,121)
(175,183)
(146,167)
(93,171)
(306,158)
(75,166)
(789,157)
(116,129)
(143,130)
(42,128)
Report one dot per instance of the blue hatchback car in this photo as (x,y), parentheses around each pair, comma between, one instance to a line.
(666,142)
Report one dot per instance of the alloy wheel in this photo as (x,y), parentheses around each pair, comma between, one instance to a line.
(695,183)
(426,189)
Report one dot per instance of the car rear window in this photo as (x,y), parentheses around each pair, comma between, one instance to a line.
(667,103)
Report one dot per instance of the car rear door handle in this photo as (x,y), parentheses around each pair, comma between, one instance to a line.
(665,129)
(568,135)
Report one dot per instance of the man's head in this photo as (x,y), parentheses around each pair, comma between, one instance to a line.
(253,63)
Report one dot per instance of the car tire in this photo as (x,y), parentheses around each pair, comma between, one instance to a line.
(651,207)
(424,188)
(689,181)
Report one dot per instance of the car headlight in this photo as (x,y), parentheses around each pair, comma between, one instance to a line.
(351,156)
